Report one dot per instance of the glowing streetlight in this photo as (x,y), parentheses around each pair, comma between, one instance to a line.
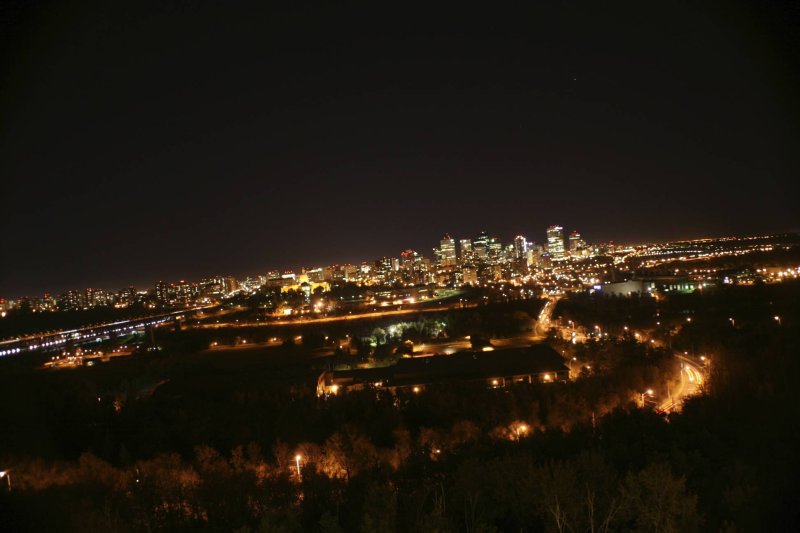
(733,322)
(778,320)
(297,459)
(6,474)
(649,392)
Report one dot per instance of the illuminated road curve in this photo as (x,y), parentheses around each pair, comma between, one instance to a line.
(692,379)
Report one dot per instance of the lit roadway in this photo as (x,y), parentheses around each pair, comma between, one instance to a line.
(341,318)
(542,323)
(447,347)
(52,340)
(692,379)
(545,315)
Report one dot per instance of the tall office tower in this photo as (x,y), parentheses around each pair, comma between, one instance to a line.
(509,253)
(575,243)
(481,247)
(520,246)
(230,284)
(447,252)
(555,243)
(494,251)
(466,250)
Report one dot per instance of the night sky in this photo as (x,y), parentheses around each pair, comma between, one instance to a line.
(182,139)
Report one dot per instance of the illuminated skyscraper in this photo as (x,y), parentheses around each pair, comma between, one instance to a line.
(555,243)
(481,247)
(447,252)
(466,250)
(520,246)
(494,251)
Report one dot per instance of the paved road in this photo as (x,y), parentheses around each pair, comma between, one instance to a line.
(692,380)
(342,318)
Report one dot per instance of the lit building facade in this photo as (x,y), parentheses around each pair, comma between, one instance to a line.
(555,243)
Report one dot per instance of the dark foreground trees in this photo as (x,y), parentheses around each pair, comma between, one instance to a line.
(216,447)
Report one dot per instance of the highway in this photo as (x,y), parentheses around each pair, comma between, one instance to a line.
(53,340)
(322,320)
(692,380)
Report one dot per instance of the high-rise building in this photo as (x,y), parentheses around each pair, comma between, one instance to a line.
(577,246)
(555,243)
(520,246)
(466,250)
(69,301)
(574,241)
(447,252)
(126,297)
(494,251)
(163,293)
(481,247)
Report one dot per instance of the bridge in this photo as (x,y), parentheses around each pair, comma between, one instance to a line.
(53,340)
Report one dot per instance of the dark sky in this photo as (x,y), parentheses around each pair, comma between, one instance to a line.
(183,139)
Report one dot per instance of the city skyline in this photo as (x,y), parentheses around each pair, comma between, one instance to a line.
(428,252)
(425,251)
(382,266)
(155,142)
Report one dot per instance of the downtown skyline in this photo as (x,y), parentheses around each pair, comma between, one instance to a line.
(156,143)
(429,252)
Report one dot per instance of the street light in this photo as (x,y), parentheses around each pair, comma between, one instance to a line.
(6,474)
(778,320)
(649,392)
(297,462)
(733,322)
